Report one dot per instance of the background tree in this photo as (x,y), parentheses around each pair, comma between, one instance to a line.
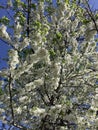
(51,81)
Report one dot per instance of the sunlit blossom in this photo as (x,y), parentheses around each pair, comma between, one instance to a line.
(4,33)
(19,110)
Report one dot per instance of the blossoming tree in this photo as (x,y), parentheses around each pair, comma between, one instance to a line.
(51,81)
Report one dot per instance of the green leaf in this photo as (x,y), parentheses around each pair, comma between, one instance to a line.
(33,6)
(1,92)
(96,16)
(21,17)
(58,35)
(67,2)
(37,24)
(23,5)
(85,21)
(50,10)
(68,102)
(4,20)
(52,53)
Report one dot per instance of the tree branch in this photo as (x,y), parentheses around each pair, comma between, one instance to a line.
(10,94)
(7,43)
(91,15)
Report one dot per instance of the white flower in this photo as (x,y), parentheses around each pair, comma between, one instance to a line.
(55,82)
(42,53)
(34,58)
(80,119)
(38,37)
(75,23)
(68,59)
(95,102)
(60,14)
(37,16)
(96,122)
(96,96)
(13,58)
(70,117)
(30,84)
(24,43)
(4,34)
(38,111)
(1,111)
(96,90)
(18,27)
(55,69)
(56,107)
(25,107)
(63,128)
(54,19)
(38,82)
(19,110)
(63,7)
(89,34)
(22,99)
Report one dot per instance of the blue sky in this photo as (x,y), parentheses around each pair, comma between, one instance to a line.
(94,4)
(4,48)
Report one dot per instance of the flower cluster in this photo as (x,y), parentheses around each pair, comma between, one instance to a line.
(55,85)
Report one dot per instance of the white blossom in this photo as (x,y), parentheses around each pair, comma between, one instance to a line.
(96,90)
(54,19)
(30,84)
(56,106)
(42,53)
(23,98)
(13,58)
(24,43)
(55,82)
(19,110)
(39,111)
(18,27)
(89,34)
(38,82)
(1,111)
(4,33)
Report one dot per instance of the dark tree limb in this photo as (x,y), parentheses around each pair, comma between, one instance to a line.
(11,101)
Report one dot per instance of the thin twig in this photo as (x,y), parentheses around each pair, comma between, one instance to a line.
(10,94)
(42,97)
(9,44)
(91,15)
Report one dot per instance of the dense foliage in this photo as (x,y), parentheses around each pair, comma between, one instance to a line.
(51,81)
